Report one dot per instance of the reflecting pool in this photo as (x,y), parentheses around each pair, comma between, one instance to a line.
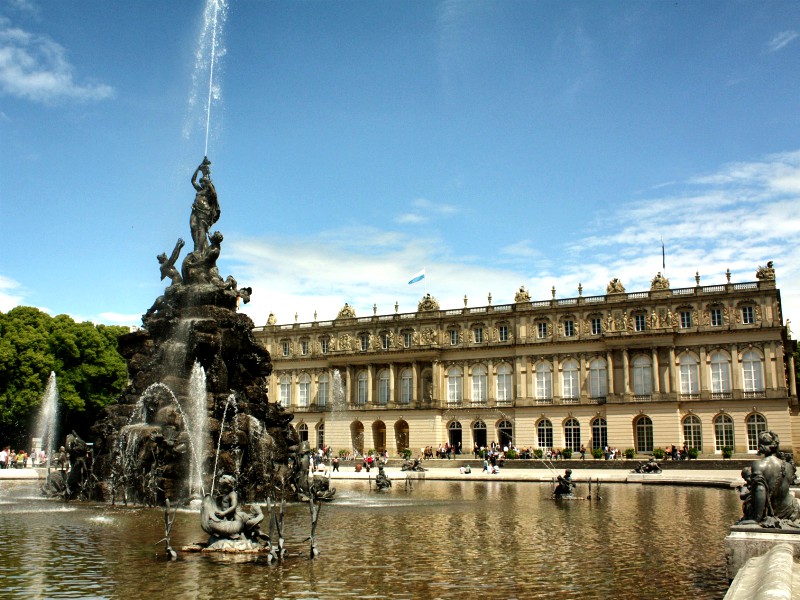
(489,540)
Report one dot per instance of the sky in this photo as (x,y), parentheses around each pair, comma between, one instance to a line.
(493,144)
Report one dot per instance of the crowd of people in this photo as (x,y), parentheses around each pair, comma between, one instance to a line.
(21,459)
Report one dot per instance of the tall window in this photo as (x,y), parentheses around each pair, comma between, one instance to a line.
(406,386)
(716,317)
(541,329)
(686,319)
(453,337)
(303,388)
(362,388)
(304,347)
(720,375)
(544,382)
(506,433)
(503,333)
(477,335)
(385,341)
(597,326)
(364,342)
(383,387)
(323,389)
(570,385)
(756,425)
(320,435)
(323,345)
(569,328)
(642,376)
(748,316)
(693,432)
(479,384)
(285,399)
(689,375)
(454,385)
(572,434)
(408,339)
(723,432)
(504,384)
(544,433)
(644,434)
(598,378)
(639,322)
(285,348)
(599,433)
(752,373)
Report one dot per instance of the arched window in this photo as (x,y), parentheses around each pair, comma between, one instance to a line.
(572,434)
(479,434)
(752,373)
(643,427)
(323,389)
(505,432)
(454,385)
(544,381)
(642,376)
(504,384)
(383,387)
(570,383)
(720,368)
(479,384)
(723,432)
(303,388)
(320,435)
(598,378)
(454,435)
(756,425)
(362,389)
(406,386)
(302,431)
(285,396)
(689,375)
(693,432)
(599,433)
(544,433)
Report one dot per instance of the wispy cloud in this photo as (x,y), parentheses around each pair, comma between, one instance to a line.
(422,211)
(35,67)
(781,40)
(11,294)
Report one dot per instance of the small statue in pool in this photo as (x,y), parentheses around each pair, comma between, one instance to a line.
(565,486)
(650,466)
(225,519)
(768,499)
(381,480)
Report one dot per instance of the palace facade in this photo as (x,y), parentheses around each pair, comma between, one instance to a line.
(709,366)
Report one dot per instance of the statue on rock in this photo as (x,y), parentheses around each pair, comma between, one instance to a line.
(231,527)
(205,210)
(565,487)
(767,498)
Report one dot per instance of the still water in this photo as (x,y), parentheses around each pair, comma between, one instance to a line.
(487,540)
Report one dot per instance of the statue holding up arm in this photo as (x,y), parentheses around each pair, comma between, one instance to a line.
(205,210)
(168,264)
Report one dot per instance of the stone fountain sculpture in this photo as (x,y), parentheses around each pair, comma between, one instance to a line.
(146,445)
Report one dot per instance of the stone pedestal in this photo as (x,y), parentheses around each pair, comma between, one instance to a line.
(749,541)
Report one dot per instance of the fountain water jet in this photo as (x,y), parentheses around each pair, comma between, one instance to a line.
(48,419)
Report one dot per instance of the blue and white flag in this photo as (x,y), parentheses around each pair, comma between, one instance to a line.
(417,277)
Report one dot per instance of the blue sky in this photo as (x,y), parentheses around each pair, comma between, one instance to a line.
(496,144)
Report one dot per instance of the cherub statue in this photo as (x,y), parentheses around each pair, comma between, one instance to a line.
(168,264)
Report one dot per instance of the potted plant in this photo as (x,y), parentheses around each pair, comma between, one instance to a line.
(406,453)
(659,454)
(727,452)
(630,453)
(693,453)
(566,453)
(538,453)
(597,453)
(511,453)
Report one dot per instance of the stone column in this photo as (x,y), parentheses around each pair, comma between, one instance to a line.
(671,370)
(736,370)
(556,382)
(294,388)
(792,378)
(466,388)
(392,376)
(370,383)
(610,372)
(702,382)
(350,393)
(491,392)
(656,372)
(584,380)
(626,371)
(417,393)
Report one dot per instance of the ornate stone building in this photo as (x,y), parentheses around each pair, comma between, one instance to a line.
(710,366)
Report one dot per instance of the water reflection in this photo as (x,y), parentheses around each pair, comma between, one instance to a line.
(437,540)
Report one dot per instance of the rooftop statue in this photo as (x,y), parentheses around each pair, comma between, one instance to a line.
(767,498)
(522,295)
(767,272)
(428,303)
(659,282)
(615,287)
(347,312)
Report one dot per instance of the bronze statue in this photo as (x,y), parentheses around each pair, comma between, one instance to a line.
(768,499)
(382,481)
(565,486)
(168,264)
(205,210)
(223,518)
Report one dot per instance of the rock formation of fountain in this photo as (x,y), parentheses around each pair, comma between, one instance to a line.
(152,444)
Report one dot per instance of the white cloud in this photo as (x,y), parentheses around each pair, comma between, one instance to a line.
(11,294)
(781,39)
(111,318)
(424,210)
(35,67)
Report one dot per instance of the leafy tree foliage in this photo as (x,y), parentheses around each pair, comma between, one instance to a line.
(90,373)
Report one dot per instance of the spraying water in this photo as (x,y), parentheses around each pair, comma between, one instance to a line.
(48,418)
(197,414)
(209,51)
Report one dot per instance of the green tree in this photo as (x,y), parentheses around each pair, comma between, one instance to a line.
(90,373)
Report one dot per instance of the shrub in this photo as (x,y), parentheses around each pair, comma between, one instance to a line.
(538,453)
(406,453)
(597,452)
(630,453)
(566,453)
(342,452)
(693,453)
(511,454)
(659,454)
(727,452)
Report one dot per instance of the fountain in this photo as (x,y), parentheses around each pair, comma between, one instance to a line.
(45,431)
(172,432)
